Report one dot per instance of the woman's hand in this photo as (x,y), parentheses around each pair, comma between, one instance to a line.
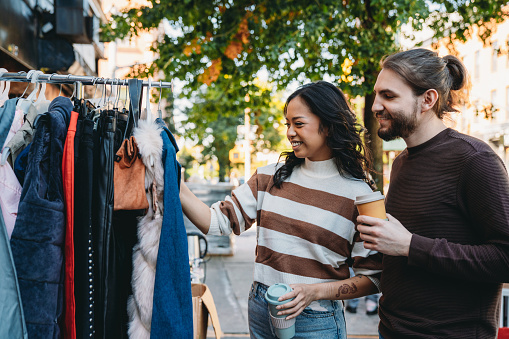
(304,294)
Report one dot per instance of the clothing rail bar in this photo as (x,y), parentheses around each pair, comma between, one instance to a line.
(70,79)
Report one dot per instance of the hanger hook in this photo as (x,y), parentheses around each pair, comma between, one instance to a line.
(22,95)
(93,84)
(160,95)
(73,91)
(117,94)
(126,93)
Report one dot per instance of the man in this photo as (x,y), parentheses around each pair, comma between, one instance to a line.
(446,243)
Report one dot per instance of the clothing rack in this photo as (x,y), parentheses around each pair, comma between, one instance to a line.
(82,79)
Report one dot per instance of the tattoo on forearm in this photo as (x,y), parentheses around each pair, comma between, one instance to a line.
(346,289)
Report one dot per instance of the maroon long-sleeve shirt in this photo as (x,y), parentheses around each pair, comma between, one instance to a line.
(452,193)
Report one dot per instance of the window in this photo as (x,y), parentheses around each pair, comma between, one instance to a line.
(477,64)
(507,48)
(493,103)
(506,108)
(494,56)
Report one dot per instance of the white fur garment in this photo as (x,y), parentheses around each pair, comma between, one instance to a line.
(139,305)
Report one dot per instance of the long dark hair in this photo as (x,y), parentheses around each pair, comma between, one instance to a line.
(328,103)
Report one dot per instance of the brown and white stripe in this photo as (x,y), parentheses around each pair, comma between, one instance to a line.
(306,229)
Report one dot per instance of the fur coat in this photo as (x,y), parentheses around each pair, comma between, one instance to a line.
(139,306)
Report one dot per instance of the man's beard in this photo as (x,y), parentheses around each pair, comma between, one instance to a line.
(401,125)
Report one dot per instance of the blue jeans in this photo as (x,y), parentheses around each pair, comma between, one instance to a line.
(309,324)
(353,303)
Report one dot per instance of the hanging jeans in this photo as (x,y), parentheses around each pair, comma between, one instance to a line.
(38,237)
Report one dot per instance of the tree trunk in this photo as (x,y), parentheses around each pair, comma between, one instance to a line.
(222,170)
(373,142)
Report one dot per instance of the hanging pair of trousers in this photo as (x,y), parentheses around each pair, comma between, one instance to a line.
(83,254)
(38,236)
(114,234)
(102,213)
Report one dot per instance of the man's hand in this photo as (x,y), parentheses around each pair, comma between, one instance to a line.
(388,237)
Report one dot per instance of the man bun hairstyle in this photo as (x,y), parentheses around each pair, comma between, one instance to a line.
(423,69)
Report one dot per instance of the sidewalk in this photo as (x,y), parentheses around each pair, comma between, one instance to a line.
(229,279)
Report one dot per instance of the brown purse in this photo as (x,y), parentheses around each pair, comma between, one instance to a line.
(129,178)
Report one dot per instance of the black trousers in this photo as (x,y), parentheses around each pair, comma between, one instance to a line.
(83,249)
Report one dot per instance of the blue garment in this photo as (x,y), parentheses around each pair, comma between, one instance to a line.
(172,314)
(11,311)
(354,303)
(20,164)
(7,112)
(38,237)
(309,324)
(12,324)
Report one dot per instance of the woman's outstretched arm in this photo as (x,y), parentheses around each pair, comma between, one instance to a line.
(194,209)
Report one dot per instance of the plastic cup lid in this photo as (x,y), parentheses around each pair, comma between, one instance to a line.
(363,199)
(275,291)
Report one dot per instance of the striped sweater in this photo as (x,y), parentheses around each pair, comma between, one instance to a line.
(306,230)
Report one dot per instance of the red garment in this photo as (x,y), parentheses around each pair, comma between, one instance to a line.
(68,178)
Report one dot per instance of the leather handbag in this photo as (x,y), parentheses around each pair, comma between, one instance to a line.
(129,178)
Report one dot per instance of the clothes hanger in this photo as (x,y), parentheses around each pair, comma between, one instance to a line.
(42,104)
(117,95)
(24,104)
(98,107)
(135,87)
(126,97)
(4,89)
(2,83)
(148,109)
(148,117)
(159,112)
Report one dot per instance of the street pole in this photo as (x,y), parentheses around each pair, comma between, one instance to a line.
(247,144)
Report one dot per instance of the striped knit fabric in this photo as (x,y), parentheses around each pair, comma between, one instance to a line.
(306,229)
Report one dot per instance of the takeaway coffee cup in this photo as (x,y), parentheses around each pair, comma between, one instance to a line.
(285,329)
(371,205)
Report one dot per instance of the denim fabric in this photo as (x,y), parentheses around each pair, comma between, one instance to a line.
(38,237)
(380,336)
(11,310)
(309,324)
(353,303)
(172,315)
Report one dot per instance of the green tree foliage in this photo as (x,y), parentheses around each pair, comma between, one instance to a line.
(217,111)
(231,40)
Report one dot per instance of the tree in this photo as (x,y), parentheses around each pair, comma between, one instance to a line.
(296,40)
(213,119)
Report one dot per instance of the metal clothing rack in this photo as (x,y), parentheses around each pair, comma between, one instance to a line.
(71,79)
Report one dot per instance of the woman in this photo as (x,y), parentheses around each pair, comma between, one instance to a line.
(306,217)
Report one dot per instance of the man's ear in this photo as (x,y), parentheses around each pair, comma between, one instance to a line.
(429,98)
